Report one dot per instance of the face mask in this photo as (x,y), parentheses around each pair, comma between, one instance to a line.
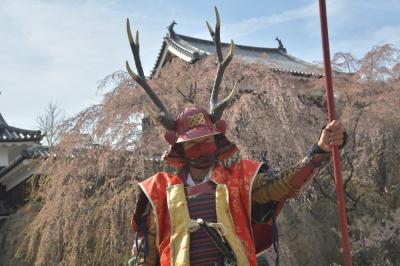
(201,155)
(202,149)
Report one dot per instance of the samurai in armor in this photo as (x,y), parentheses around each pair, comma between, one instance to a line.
(210,213)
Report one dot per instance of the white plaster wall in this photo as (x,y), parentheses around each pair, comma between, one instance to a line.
(15,150)
(3,156)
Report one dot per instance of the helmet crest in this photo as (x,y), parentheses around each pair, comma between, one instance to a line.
(163,116)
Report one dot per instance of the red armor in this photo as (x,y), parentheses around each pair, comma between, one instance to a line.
(225,201)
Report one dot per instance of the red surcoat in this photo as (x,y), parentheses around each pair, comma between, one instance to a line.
(238,179)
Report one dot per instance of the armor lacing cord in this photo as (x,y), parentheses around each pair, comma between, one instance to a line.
(275,238)
(214,231)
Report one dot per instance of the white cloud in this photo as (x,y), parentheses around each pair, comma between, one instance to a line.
(387,34)
(252,25)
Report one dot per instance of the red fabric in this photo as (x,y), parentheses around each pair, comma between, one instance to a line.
(155,187)
(238,179)
(201,155)
(200,150)
(225,150)
(262,232)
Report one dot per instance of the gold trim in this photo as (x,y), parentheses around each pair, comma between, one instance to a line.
(155,215)
(210,173)
(251,192)
(196,120)
(179,220)
(224,216)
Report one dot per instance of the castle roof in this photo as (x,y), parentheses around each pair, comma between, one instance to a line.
(192,49)
(14,134)
(34,152)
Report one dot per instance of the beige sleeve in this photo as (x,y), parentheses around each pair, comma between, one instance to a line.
(265,191)
(269,187)
(152,253)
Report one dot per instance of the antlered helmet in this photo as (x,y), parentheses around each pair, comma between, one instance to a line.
(193,122)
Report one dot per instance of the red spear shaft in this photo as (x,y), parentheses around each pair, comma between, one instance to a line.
(335,149)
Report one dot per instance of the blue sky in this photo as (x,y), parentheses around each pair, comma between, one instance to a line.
(57,50)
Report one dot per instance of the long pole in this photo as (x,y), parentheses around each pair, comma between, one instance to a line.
(335,149)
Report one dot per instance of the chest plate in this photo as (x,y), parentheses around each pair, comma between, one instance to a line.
(201,204)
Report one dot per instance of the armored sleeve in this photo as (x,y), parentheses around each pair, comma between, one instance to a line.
(270,185)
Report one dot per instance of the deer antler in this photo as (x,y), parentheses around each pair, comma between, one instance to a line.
(217,108)
(163,116)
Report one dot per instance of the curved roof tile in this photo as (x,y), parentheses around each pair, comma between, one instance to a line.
(14,134)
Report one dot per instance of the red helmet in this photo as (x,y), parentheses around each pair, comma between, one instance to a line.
(193,123)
